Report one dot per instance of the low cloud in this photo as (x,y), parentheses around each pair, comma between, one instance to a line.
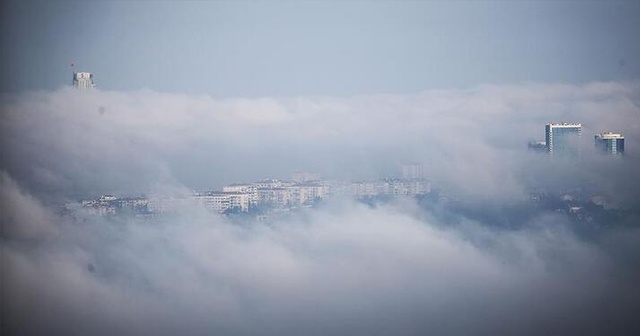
(342,268)
(67,142)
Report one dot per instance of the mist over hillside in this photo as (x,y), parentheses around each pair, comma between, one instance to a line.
(471,257)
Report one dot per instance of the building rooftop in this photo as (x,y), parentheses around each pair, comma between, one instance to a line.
(610,135)
(564,124)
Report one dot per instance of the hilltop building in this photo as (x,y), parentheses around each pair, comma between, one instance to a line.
(83,80)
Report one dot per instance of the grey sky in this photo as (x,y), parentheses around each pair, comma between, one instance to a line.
(286,48)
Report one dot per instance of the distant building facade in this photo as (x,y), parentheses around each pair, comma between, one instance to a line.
(220,201)
(108,205)
(83,80)
(240,188)
(276,195)
(303,177)
(609,142)
(412,171)
(563,138)
(537,146)
(391,187)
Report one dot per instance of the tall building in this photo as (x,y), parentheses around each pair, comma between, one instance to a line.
(609,142)
(83,80)
(563,138)
(412,171)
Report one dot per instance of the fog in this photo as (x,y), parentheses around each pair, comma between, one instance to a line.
(341,268)
(63,142)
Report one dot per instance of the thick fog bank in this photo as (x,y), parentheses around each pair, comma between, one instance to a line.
(344,269)
(69,143)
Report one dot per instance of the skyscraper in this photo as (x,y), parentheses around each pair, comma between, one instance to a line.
(609,142)
(83,80)
(563,138)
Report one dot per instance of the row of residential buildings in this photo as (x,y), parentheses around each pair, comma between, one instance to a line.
(278,194)
(304,191)
(111,205)
(269,193)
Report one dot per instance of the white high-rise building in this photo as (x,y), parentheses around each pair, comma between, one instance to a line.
(83,80)
(563,138)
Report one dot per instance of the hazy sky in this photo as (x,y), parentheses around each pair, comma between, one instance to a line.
(287,48)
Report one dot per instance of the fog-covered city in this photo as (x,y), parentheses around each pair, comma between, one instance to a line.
(281,191)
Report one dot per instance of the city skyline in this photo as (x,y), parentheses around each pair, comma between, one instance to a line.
(319,168)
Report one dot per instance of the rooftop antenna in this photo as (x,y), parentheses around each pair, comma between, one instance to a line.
(72,66)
